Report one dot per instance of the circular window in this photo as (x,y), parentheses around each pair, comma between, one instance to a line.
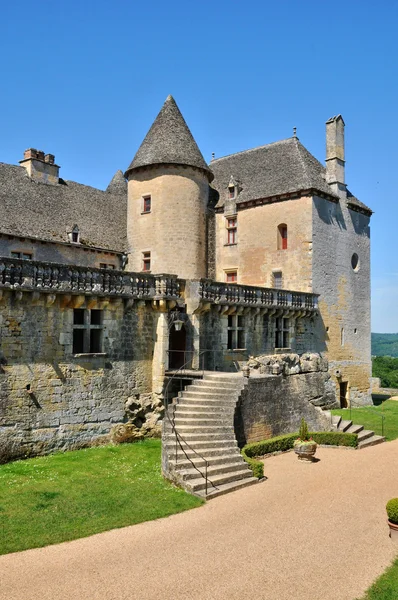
(355,261)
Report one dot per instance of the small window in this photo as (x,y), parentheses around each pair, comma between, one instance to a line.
(232,229)
(106,266)
(23,255)
(355,262)
(231,276)
(277,279)
(75,235)
(282,337)
(87,331)
(342,336)
(146,261)
(231,192)
(236,332)
(146,205)
(282,237)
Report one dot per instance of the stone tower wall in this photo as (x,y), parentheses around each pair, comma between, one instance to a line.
(174,232)
(344,302)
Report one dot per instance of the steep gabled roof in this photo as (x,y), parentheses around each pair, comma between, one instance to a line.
(279,168)
(118,184)
(48,212)
(169,141)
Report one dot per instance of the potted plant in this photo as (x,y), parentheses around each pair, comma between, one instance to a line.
(392,513)
(304,446)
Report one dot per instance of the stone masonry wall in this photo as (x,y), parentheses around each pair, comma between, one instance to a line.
(280,391)
(51,399)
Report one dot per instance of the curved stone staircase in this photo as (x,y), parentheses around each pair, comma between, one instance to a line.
(204,418)
(366,437)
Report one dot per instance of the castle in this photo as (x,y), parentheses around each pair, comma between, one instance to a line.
(177,264)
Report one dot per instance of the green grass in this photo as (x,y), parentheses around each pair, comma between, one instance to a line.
(370,419)
(386,587)
(75,494)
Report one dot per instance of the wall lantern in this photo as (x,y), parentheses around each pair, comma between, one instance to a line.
(178,324)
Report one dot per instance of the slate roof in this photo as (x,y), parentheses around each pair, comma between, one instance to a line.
(357,205)
(169,141)
(272,170)
(48,212)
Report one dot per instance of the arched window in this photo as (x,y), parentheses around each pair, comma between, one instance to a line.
(282,236)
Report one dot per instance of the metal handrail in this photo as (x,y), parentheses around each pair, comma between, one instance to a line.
(178,436)
(368,408)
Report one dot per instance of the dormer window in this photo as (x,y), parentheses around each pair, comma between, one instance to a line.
(75,235)
(232,188)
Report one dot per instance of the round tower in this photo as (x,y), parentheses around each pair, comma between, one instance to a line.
(168,186)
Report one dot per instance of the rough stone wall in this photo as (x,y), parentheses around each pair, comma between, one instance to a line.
(256,254)
(73,399)
(280,391)
(344,303)
(174,231)
(58,253)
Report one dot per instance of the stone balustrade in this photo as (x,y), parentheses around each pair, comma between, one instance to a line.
(28,275)
(246,295)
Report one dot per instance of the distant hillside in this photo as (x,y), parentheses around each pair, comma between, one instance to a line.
(385,344)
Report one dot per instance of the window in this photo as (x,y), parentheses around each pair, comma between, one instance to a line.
(146,261)
(236,332)
(74,236)
(106,266)
(231,276)
(87,331)
(282,237)
(282,338)
(146,205)
(231,192)
(232,225)
(277,279)
(24,255)
(355,262)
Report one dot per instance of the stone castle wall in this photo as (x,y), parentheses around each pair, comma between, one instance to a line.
(52,399)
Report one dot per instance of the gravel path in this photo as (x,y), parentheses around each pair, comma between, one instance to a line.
(314,531)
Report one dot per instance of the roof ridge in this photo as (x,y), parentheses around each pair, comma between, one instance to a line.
(299,146)
(252,149)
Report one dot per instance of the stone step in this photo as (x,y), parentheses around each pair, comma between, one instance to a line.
(222,376)
(215,385)
(364,435)
(207,401)
(223,417)
(205,436)
(344,425)
(199,409)
(208,452)
(210,447)
(371,441)
(196,485)
(209,394)
(213,420)
(336,419)
(197,469)
(225,488)
(354,429)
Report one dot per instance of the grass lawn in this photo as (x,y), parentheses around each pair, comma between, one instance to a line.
(70,495)
(386,587)
(370,419)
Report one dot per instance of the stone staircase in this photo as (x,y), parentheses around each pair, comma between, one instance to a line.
(366,437)
(204,418)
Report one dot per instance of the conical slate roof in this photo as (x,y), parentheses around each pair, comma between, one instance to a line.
(118,184)
(169,141)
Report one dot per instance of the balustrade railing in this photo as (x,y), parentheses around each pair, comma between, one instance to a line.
(227,293)
(30,275)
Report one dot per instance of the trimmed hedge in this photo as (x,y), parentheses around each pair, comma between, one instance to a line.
(282,443)
(392,510)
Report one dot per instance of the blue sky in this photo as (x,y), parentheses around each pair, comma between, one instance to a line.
(84,81)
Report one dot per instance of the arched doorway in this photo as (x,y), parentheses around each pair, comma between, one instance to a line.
(177,346)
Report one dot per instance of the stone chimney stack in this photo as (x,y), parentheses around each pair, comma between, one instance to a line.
(40,167)
(335,163)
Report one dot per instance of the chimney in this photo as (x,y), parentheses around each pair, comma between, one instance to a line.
(40,167)
(335,163)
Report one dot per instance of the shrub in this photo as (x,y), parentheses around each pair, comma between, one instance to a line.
(304,435)
(392,510)
(286,442)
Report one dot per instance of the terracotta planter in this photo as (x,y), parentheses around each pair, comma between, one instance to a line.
(305,450)
(393,531)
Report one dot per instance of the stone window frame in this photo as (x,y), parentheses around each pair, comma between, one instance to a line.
(146,204)
(146,261)
(231,225)
(74,235)
(21,254)
(275,279)
(229,273)
(236,333)
(282,237)
(282,333)
(89,344)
